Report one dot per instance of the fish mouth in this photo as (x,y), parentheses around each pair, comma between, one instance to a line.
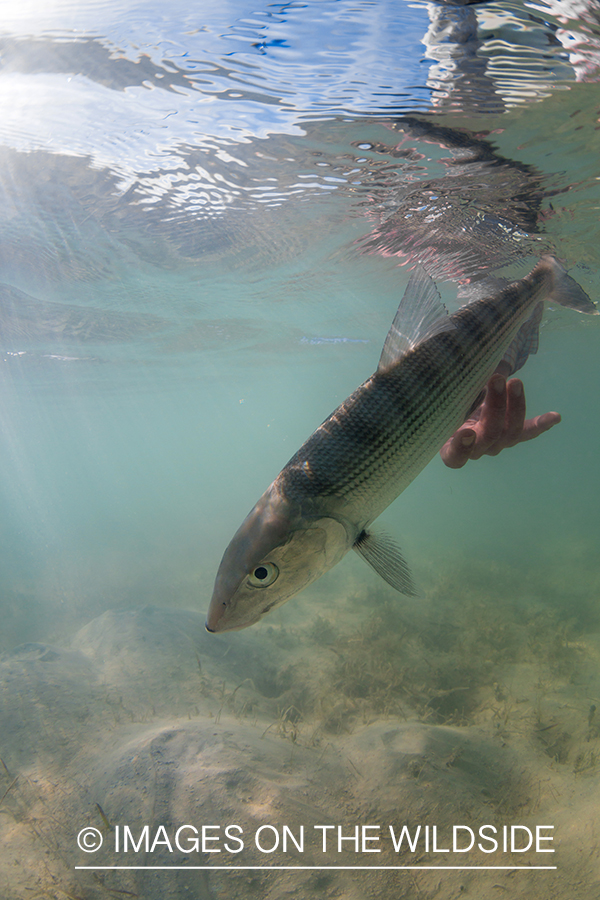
(221,617)
(217,627)
(217,619)
(213,620)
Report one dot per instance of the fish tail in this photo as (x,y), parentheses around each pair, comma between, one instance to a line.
(563,289)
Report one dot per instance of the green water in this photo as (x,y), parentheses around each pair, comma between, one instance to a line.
(127,469)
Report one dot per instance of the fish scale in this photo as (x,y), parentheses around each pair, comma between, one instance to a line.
(405,415)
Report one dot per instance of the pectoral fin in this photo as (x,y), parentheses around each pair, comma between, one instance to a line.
(383,554)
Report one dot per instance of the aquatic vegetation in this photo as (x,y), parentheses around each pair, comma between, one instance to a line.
(433,707)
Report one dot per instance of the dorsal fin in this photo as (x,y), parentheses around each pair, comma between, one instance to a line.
(420,315)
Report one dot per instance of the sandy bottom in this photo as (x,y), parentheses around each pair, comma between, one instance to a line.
(300,731)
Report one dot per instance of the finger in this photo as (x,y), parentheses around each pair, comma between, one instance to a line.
(515,412)
(534,427)
(457,451)
(493,416)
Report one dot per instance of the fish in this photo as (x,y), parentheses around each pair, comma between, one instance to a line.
(432,370)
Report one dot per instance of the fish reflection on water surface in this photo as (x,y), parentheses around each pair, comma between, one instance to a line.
(446,221)
(432,369)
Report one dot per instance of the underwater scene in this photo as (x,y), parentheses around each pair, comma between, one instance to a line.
(211,213)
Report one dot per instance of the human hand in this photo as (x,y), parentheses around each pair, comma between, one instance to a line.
(498,422)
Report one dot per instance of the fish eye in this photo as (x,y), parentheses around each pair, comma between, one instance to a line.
(263,575)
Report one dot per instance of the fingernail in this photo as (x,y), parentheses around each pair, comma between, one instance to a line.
(467,440)
(497,383)
(517,388)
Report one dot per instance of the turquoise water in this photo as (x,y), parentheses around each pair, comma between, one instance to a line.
(209,219)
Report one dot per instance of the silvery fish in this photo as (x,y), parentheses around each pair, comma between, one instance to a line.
(321,505)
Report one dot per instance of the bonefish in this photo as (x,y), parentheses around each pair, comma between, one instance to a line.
(432,369)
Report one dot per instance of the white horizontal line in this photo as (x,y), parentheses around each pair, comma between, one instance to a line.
(318,868)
